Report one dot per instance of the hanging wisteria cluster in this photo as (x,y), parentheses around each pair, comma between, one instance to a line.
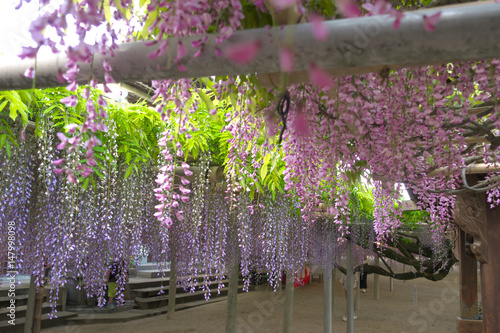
(72,233)
(399,128)
(401,124)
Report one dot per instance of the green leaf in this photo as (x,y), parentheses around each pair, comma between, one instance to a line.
(107,10)
(3,137)
(252,193)
(2,106)
(263,171)
(129,171)
(208,102)
(7,148)
(13,111)
(86,183)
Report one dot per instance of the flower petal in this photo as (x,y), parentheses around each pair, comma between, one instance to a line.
(58,171)
(58,162)
(286,59)
(243,53)
(69,101)
(319,31)
(348,8)
(431,21)
(30,73)
(319,77)
(181,51)
(301,123)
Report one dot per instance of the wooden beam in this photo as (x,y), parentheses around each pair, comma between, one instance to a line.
(478,168)
(468,280)
(490,271)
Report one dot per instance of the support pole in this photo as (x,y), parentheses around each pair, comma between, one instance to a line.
(30,307)
(327,289)
(350,290)
(37,322)
(376,281)
(490,271)
(334,276)
(391,280)
(287,322)
(356,298)
(232,297)
(468,280)
(172,289)
(354,46)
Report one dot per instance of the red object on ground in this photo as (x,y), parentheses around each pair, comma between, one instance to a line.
(301,278)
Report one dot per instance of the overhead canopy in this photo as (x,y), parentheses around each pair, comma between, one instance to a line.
(354,46)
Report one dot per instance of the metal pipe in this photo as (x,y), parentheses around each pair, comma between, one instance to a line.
(30,307)
(289,289)
(350,290)
(356,296)
(172,288)
(327,288)
(354,46)
(376,281)
(334,276)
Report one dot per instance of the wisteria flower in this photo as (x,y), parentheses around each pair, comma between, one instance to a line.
(243,53)
(431,21)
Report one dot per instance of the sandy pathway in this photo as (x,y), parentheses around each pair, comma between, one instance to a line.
(261,311)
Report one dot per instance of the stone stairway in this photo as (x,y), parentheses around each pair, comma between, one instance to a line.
(21,301)
(149,298)
(142,299)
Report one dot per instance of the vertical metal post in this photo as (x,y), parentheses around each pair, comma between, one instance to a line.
(37,322)
(232,297)
(30,308)
(356,297)
(172,289)
(334,276)
(350,290)
(376,281)
(391,280)
(234,275)
(287,322)
(327,289)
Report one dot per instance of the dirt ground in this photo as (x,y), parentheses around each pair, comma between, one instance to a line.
(261,311)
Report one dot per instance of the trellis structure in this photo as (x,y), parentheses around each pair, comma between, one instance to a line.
(355,46)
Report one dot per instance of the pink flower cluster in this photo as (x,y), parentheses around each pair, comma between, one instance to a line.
(165,193)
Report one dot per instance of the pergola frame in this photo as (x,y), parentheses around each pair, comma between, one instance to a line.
(354,46)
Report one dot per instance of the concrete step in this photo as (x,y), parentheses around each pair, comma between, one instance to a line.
(5,301)
(21,310)
(119,317)
(61,319)
(153,266)
(152,273)
(160,301)
(109,318)
(154,291)
(143,283)
(128,305)
(20,290)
